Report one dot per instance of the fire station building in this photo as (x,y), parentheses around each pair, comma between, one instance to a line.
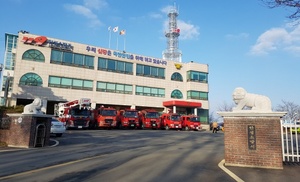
(60,70)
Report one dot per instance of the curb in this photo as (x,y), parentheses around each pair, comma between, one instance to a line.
(231,174)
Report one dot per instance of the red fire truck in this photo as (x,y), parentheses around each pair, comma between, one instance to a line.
(191,122)
(105,118)
(128,118)
(149,118)
(170,121)
(74,114)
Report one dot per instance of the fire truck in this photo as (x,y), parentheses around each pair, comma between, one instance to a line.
(190,122)
(128,118)
(74,114)
(149,118)
(105,118)
(170,121)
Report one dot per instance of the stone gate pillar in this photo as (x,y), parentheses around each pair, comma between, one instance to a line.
(253,139)
(252,136)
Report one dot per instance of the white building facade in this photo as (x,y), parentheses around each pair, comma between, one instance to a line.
(60,70)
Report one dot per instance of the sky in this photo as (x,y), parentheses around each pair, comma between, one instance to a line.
(245,43)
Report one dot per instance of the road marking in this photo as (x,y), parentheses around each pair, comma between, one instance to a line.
(231,174)
(56,143)
(17,149)
(49,167)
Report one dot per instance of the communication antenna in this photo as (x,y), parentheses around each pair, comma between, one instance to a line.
(172,52)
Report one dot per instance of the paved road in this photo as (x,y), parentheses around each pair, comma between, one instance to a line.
(120,155)
(132,155)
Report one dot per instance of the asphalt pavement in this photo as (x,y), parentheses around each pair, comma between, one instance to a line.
(290,171)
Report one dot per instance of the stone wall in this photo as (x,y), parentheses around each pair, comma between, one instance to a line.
(253,142)
(26,130)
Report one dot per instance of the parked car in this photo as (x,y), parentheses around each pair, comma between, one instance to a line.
(57,127)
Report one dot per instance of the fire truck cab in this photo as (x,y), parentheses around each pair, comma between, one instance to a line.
(105,118)
(128,118)
(74,114)
(149,118)
(170,121)
(191,122)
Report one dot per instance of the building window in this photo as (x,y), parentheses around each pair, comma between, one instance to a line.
(150,91)
(33,55)
(196,76)
(11,80)
(176,94)
(115,66)
(10,57)
(204,115)
(70,83)
(31,79)
(150,71)
(176,76)
(191,94)
(114,87)
(72,59)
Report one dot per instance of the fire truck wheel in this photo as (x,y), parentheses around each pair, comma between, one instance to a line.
(167,127)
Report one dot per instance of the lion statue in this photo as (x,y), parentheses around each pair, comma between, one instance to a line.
(254,101)
(34,108)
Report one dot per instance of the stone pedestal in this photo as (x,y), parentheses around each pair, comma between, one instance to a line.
(26,130)
(253,139)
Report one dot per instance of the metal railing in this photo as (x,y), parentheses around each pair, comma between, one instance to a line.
(290,136)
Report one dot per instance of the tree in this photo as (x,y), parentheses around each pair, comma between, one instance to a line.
(292,109)
(226,107)
(295,4)
(212,116)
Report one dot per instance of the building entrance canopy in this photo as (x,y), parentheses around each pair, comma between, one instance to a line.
(180,103)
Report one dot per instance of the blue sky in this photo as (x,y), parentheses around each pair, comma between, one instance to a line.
(244,43)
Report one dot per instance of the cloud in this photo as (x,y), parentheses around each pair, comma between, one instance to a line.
(155,15)
(167,9)
(95,4)
(281,39)
(86,10)
(81,10)
(239,36)
(188,31)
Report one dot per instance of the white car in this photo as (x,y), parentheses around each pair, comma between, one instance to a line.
(57,127)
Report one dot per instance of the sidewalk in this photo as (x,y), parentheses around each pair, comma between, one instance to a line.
(290,172)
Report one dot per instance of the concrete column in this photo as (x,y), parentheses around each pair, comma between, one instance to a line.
(196,111)
(174,109)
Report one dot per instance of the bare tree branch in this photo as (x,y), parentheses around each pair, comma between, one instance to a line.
(285,3)
(293,110)
(226,107)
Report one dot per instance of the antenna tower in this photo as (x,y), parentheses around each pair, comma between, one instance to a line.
(172,52)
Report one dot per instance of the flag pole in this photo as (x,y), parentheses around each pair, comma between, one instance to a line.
(117,42)
(124,42)
(109,36)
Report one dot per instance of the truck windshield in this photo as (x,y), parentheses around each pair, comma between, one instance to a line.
(109,113)
(195,119)
(80,112)
(175,117)
(152,115)
(131,114)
